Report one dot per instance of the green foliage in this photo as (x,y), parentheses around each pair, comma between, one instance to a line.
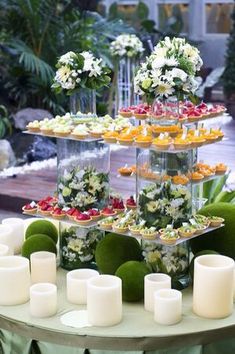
(36,243)
(132,274)
(214,191)
(229,72)
(221,240)
(42,227)
(5,123)
(33,34)
(114,250)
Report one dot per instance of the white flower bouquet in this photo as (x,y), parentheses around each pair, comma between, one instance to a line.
(80,70)
(83,188)
(165,203)
(126,45)
(169,71)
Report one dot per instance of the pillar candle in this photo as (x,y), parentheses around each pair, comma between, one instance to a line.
(43,300)
(14,280)
(213,286)
(6,236)
(152,283)
(167,306)
(43,267)
(17,225)
(77,285)
(104,300)
(5,250)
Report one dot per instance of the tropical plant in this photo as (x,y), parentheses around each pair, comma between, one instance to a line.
(215,191)
(34,33)
(5,123)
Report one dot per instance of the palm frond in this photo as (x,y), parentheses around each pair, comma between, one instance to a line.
(33,63)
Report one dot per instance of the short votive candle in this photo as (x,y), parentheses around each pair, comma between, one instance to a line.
(43,267)
(77,285)
(167,306)
(5,250)
(104,300)
(14,280)
(152,283)
(43,300)
(213,286)
(17,225)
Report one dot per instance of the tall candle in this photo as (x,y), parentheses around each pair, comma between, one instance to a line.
(17,225)
(152,283)
(77,285)
(213,286)
(104,300)
(43,300)
(167,306)
(43,267)
(6,236)
(5,250)
(14,280)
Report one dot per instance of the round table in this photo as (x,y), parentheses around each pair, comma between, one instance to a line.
(136,332)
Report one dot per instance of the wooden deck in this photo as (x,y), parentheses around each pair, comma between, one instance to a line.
(16,191)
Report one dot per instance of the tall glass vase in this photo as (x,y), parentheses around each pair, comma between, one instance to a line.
(125,90)
(166,109)
(84,101)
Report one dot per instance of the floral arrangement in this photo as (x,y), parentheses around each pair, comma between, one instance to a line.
(80,70)
(173,261)
(126,45)
(169,71)
(83,188)
(164,204)
(78,246)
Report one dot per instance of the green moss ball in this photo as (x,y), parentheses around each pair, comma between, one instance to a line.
(132,274)
(201,253)
(114,250)
(44,227)
(38,242)
(221,240)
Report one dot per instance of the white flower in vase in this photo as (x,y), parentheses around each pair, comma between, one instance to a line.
(164,89)
(152,206)
(75,245)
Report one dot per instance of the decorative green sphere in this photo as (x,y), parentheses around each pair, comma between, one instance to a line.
(221,240)
(114,250)
(44,227)
(132,274)
(36,243)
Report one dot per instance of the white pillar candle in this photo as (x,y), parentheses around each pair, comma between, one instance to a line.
(167,306)
(152,283)
(104,300)
(43,300)
(14,280)
(213,286)
(5,250)
(6,236)
(77,285)
(17,225)
(43,267)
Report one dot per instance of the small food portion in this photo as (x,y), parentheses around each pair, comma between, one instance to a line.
(163,142)
(110,137)
(94,214)
(143,141)
(83,219)
(62,131)
(149,233)
(215,221)
(196,176)
(220,168)
(125,139)
(125,112)
(120,226)
(140,113)
(125,171)
(169,236)
(108,211)
(180,179)
(106,223)
(34,126)
(58,213)
(135,229)
(186,231)
(30,208)
(181,143)
(131,203)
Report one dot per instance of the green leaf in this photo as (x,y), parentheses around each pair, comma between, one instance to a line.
(142,10)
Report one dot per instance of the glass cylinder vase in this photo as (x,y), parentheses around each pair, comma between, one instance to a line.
(171,260)
(84,101)
(77,246)
(125,96)
(167,109)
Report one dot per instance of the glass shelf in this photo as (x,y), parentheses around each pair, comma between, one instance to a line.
(94,224)
(69,137)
